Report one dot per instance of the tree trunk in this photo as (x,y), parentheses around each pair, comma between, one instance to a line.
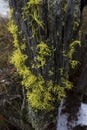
(51,29)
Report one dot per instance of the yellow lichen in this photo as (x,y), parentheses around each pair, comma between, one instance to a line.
(72,62)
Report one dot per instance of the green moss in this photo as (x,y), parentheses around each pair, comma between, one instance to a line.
(40,97)
(51,73)
(13,30)
(32,11)
(76,25)
(68,84)
(42,53)
(72,62)
(65,6)
(11,11)
(61,70)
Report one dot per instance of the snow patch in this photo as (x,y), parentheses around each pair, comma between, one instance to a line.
(82,115)
(62,122)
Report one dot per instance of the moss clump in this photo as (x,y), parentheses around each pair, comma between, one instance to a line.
(43,52)
(72,62)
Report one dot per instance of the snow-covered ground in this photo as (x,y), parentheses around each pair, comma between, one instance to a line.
(4,8)
(63,123)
